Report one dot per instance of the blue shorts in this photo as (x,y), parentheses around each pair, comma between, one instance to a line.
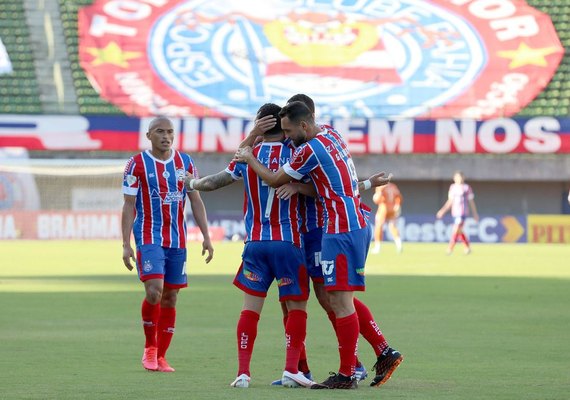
(156,262)
(343,259)
(459,220)
(264,261)
(312,246)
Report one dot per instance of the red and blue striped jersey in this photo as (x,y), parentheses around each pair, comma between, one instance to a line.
(311,208)
(460,194)
(160,197)
(312,211)
(266,216)
(327,161)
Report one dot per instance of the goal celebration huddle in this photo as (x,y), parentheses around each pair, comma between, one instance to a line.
(304,220)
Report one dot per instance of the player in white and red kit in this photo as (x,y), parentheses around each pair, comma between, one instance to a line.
(153,210)
(459,199)
(324,157)
(272,252)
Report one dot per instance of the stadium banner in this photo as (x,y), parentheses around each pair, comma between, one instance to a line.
(549,229)
(18,190)
(73,225)
(538,135)
(62,225)
(475,59)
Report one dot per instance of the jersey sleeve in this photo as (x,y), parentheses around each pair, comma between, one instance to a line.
(192,170)
(302,162)
(235,170)
(131,182)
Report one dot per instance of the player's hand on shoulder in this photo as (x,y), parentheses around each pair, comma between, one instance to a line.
(243,154)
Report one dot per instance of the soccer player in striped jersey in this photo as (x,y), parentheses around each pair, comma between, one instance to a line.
(459,199)
(272,252)
(312,214)
(153,209)
(324,157)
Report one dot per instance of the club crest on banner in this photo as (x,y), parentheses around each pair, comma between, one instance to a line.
(369,58)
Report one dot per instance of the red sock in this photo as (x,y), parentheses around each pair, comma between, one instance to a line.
(246,334)
(166,323)
(150,314)
(464,238)
(295,333)
(347,335)
(453,240)
(369,329)
(303,363)
(332,318)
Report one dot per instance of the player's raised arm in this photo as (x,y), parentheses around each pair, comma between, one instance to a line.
(208,183)
(273,179)
(127,221)
(375,180)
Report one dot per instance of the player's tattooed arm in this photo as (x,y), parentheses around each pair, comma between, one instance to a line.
(208,183)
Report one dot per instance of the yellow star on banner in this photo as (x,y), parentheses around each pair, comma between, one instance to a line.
(112,54)
(525,55)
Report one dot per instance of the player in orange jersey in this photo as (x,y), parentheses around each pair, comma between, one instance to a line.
(389,201)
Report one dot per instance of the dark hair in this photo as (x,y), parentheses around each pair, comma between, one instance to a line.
(303,98)
(270,109)
(296,111)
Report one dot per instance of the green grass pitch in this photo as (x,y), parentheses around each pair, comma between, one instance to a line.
(491,325)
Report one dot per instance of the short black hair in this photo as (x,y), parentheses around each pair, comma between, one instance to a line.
(296,112)
(270,109)
(303,98)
